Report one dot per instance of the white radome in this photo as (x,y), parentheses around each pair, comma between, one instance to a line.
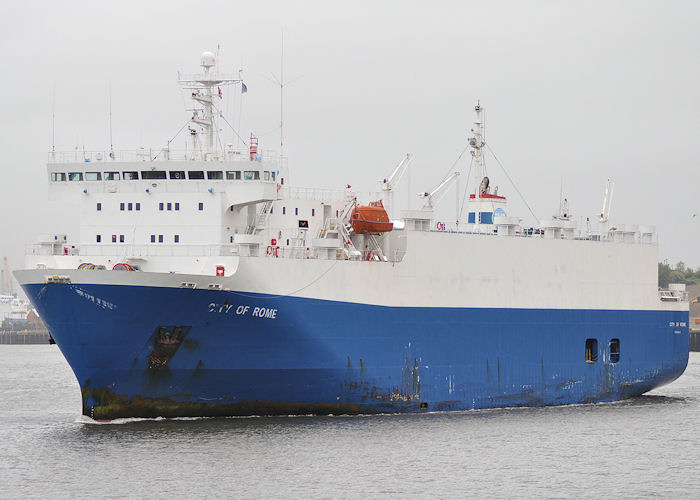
(208,59)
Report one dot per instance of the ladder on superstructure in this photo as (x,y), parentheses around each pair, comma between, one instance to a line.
(260,218)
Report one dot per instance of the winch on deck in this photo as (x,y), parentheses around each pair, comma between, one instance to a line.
(369,219)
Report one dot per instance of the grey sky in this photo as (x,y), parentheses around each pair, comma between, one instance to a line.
(575,93)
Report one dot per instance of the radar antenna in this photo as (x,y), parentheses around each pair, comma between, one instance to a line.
(202,92)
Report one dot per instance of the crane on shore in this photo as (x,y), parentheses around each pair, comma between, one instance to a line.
(7,284)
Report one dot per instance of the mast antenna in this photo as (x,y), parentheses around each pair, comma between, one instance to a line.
(282,84)
(53,120)
(282,96)
(111,145)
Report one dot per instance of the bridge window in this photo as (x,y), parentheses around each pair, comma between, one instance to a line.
(121,207)
(93,176)
(313,212)
(296,211)
(58,176)
(272,175)
(251,175)
(177,206)
(111,176)
(614,350)
(160,238)
(486,217)
(201,205)
(153,238)
(130,206)
(131,176)
(75,176)
(170,206)
(233,175)
(216,175)
(121,238)
(98,238)
(160,206)
(177,174)
(138,206)
(152,174)
(99,207)
(284,210)
(266,175)
(176,238)
(114,238)
(195,174)
(591,350)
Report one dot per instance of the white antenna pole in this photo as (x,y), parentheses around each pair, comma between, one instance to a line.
(282,97)
(111,146)
(457,199)
(240,107)
(53,121)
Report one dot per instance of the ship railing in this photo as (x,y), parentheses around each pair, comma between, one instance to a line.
(149,155)
(125,251)
(316,194)
(539,233)
(51,249)
(673,295)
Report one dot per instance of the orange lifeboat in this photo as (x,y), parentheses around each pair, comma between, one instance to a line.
(372,218)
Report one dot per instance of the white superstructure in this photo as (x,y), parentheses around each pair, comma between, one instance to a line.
(198,213)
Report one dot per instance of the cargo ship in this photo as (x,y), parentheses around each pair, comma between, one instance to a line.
(203,283)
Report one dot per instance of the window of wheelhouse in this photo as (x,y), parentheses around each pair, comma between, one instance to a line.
(591,350)
(233,175)
(216,175)
(153,174)
(58,176)
(195,174)
(111,176)
(614,350)
(75,176)
(177,174)
(251,175)
(93,176)
(131,176)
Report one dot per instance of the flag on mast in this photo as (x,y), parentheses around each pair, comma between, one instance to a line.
(220,95)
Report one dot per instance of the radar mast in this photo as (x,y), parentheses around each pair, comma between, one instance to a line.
(203,94)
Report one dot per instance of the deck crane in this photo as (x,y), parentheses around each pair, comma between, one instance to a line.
(389,183)
(607,201)
(432,198)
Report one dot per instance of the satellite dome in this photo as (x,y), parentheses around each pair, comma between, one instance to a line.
(208,59)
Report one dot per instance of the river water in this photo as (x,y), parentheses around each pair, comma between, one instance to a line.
(647,446)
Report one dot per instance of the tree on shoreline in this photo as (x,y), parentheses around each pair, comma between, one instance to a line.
(680,273)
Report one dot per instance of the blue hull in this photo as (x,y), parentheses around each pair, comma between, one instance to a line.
(144,351)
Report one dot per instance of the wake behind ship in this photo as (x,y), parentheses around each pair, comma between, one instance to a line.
(203,284)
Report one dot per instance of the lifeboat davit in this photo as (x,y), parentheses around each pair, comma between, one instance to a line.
(369,219)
